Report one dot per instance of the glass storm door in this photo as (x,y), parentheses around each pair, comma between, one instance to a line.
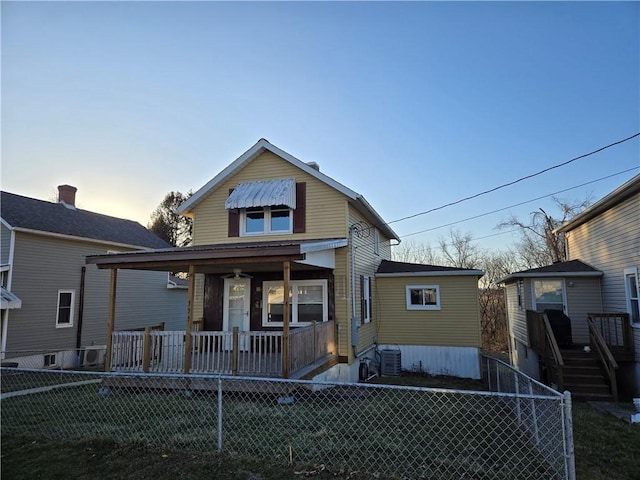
(236,309)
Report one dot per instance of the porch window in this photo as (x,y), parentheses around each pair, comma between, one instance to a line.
(64,317)
(307,299)
(266,220)
(423,297)
(632,292)
(548,295)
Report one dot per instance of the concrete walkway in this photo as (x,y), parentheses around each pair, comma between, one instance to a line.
(616,410)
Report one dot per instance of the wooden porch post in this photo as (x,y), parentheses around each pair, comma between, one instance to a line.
(146,350)
(111,318)
(285,320)
(187,337)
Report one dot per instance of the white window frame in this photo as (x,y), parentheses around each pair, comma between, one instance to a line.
(267,222)
(410,306)
(366,297)
(628,294)
(293,284)
(71,309)
(562,286)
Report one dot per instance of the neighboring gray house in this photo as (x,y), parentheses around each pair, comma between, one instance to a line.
(601,279)
(52,302)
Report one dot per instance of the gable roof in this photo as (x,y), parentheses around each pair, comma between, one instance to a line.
(572,268)
(620,194)
(388,268)
(261,146)
(30,214)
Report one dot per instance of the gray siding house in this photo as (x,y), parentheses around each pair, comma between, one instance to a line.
(62,303)
(600,281)
(607,236)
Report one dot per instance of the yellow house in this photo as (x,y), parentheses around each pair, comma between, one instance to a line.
(267,224)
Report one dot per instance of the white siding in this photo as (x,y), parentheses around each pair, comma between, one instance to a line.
(610,242)
(463,362)
(517,316)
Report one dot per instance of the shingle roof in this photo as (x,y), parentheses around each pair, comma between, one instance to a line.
(390,267)
(34,214)
(571,268)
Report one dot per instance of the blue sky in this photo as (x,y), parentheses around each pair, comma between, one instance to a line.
(414,105)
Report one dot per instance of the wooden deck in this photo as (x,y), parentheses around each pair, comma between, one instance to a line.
(228,353)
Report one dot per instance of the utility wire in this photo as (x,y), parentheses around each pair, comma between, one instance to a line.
(518,204)
(518,180)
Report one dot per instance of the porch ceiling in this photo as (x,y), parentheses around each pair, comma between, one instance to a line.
(255,256)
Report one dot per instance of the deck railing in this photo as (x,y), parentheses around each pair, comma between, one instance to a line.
(543,342)
(238,353)
(616,331)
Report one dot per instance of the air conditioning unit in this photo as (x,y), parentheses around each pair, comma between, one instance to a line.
(391,362)
(93,355)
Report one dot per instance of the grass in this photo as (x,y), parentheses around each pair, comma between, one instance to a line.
(327,434)
(606,447)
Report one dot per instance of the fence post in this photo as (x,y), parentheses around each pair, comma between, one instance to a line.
(315,341)
(489,373)
(569,453)
(534,414)
(219,414)
(146,350)
(518,411)
(235,351)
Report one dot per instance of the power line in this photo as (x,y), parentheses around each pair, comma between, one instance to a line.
(518,180)
(518,204)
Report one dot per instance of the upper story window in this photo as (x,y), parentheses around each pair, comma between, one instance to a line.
(267,207)
(266,220)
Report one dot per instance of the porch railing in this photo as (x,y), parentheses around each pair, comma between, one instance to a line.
(604,353)
(616,332)
(543,342)
(238,353)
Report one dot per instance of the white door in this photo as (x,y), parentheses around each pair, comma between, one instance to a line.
(236,308)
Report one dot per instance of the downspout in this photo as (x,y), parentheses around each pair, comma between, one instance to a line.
(83,272)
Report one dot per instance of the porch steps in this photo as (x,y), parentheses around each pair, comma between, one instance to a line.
(584,377)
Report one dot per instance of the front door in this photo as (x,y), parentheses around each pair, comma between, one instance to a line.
(236,308)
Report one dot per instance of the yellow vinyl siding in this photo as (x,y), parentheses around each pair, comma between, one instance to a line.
(457,323)
(325,207)
(366,263)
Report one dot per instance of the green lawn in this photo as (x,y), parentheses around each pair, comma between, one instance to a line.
(61,434)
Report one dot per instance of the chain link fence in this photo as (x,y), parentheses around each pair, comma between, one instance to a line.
(385,431)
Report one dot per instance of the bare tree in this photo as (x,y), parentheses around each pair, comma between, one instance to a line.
(459,250)
(540,244)
(168,225)
(414,252)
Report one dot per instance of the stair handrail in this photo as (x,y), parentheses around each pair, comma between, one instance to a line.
(606,357)
(555,350)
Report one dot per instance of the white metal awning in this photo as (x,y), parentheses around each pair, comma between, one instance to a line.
(9,300)
(263,193)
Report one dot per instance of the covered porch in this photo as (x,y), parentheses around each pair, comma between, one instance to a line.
(249,326)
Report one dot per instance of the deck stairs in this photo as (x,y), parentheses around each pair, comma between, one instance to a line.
(584,376)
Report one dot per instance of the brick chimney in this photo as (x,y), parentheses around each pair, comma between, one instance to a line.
(67,195)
